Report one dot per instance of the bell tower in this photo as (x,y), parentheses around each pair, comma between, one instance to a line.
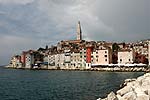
(79,32)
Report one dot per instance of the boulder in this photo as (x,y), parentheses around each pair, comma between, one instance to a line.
(129,96)
(138,89)
(143,97)
(112,96)
(124,90)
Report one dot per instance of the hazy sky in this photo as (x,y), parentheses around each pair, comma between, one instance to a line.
(29,24)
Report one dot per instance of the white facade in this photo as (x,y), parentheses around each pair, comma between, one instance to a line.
(75,60)
(59,60)
(94,57)
(126,57)
(88,65)
(83,58)
(51,60)
(67,59)
(29,60)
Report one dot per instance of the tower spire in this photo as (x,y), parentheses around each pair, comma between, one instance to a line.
(79,32)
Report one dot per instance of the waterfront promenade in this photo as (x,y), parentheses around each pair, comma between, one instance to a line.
(99,68)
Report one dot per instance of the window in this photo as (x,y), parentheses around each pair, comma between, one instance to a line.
(105,55)
(96,56)
(120,60)
(105,59)
(105,51)
(96,59)
(129,59)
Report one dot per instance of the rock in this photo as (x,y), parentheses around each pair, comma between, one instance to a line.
(124,90)
(129,96)
(142,97)
(138,89)
(112,96)
(99,99)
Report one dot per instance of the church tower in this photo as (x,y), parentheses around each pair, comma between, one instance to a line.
(79,32)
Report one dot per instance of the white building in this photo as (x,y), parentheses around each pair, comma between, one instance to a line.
(59,60)
(51,61)
(29,60)
(83,58)
(67,59)
(126,56)
(75,60)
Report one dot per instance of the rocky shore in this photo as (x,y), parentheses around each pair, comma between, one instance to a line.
(122,69)
(132,89)
(101,68)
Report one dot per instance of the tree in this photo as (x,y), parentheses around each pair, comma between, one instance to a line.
(115,47)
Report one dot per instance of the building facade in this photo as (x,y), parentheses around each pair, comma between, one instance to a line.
(83,58)
(16,62)
(126,56)
(59,60)
(75,60)
(29,60)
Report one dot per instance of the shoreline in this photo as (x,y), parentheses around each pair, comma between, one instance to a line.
(102,69)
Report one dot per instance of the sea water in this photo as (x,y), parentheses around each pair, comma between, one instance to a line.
(17,84)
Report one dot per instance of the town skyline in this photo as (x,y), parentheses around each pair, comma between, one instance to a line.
(79,54)
(30,24)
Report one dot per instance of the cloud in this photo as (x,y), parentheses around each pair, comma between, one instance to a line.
(45,22)
(100,20)
(11,45)
(16,1)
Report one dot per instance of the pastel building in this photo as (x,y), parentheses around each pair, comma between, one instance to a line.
(126,56)
(16,62)
(102,56)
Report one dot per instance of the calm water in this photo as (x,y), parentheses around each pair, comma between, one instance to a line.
(59,85)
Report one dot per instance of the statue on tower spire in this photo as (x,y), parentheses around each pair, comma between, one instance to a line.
(79,32)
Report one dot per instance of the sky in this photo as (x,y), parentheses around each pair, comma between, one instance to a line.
(30,24)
